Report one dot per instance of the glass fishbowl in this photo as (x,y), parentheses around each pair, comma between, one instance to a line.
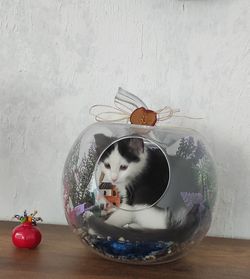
(139,194)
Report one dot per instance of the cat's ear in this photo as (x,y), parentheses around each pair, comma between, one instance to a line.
(137,145)
(102,142)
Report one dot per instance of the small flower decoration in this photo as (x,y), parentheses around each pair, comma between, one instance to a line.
(30,218)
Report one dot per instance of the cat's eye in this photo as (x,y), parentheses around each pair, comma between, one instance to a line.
(107,165)
(123,167)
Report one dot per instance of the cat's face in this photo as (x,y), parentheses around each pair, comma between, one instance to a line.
(115,167)
(122,161)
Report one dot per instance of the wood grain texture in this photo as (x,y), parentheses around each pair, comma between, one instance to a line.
(61,255)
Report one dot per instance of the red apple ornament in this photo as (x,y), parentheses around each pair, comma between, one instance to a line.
(27,235)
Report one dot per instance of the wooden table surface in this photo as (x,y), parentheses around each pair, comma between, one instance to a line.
(61,255)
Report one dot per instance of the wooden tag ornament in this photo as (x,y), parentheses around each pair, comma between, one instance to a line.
(142,116)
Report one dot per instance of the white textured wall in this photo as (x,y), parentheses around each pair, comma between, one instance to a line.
(57,58)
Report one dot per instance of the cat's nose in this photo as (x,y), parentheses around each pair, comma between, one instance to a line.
(114,178)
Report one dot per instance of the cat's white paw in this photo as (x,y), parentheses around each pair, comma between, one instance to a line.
(134,226)
(152,218)
(119,218)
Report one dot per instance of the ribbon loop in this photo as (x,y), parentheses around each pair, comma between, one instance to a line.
(125,105)
(125,99)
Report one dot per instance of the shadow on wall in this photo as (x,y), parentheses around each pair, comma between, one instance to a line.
(231,180)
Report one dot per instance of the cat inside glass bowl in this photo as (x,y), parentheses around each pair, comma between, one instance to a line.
(143,196)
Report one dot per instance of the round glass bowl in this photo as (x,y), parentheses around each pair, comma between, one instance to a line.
(163,214)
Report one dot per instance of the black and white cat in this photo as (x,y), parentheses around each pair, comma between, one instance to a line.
(141,175)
